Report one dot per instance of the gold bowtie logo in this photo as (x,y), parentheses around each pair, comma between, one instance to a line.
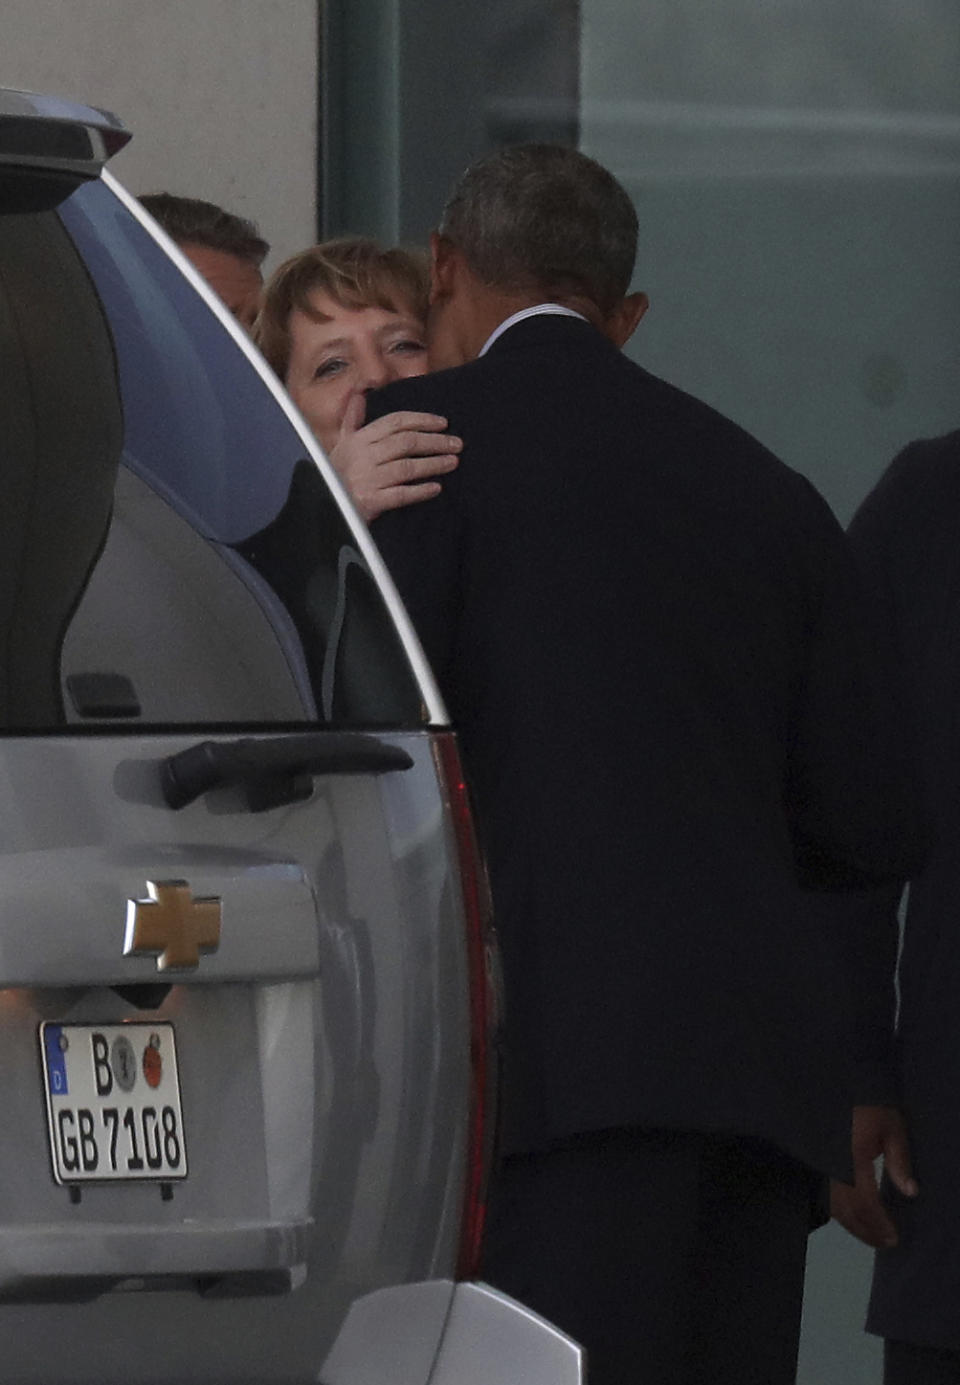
(172,925)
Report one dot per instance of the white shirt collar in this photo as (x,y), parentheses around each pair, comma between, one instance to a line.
(554,309)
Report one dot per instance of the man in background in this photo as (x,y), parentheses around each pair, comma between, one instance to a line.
(226,249)
(906,536)
(646,631)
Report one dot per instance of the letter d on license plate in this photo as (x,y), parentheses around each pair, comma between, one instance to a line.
(113,1102)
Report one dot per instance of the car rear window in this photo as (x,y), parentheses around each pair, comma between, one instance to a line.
(170,553)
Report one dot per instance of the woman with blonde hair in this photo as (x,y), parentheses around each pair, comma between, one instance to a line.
(342,318)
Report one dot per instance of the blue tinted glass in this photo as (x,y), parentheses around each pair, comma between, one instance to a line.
(199,427)
(230,587)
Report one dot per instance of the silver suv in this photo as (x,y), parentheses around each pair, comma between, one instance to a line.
(245,963)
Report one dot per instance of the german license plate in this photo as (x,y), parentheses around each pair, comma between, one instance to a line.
(113,1102)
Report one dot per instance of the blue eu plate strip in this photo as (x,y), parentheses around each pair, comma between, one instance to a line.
(56,1062)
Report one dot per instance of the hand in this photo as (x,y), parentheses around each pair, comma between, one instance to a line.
(378,461)
(877,1130)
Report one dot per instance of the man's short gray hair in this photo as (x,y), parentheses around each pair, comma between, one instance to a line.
(544,218)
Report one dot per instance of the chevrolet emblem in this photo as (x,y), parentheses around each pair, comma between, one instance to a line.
(172,925)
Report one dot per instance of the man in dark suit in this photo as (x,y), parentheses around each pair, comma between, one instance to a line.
(645,629)
(906,535)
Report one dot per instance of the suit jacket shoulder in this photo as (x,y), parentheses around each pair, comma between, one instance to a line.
(919,489)
(905,538)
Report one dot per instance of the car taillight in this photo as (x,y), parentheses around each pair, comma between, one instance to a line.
(484,1007)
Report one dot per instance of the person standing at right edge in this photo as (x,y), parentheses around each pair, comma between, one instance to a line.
(906,537)
(647,633)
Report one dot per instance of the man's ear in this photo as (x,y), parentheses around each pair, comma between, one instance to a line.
(442,255)
(620,324)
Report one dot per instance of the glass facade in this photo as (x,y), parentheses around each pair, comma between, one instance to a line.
(795,169)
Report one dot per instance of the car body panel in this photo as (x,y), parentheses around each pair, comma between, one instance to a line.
(285,1022)
(486,1339)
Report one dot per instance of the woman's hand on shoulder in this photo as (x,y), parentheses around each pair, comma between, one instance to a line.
(390,462)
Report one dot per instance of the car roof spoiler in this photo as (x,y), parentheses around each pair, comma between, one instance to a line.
(43,132)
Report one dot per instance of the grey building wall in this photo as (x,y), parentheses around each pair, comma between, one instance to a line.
(221,95)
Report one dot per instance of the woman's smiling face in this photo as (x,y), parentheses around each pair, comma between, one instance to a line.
(345,351)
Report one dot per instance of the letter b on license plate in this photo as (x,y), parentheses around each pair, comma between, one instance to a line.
(113,1102)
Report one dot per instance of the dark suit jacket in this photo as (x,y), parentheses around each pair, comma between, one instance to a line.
(643,626)
(907,537)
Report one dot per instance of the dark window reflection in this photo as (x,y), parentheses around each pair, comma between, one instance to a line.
(61,435)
